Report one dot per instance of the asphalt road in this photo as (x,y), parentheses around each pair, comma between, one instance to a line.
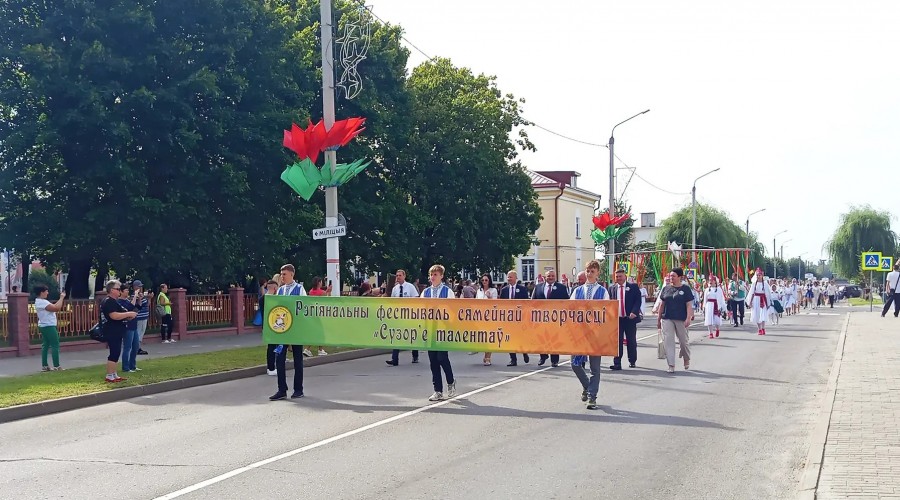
(734,426)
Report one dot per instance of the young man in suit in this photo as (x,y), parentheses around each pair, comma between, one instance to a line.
(514,291)
(629,298)
(290,287)
(403,289)
(550,289)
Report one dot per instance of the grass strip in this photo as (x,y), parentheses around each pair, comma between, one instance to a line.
(44,386)
(859,301)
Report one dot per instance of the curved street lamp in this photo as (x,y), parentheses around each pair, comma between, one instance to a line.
(612,194)
(694,215)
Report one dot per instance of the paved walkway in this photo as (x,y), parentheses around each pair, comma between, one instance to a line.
(862,451)
(10,367)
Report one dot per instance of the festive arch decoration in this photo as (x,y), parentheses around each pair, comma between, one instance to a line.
(655,264)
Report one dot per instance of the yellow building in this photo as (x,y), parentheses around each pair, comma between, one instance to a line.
(563,240)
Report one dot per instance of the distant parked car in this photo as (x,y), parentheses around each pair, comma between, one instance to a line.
(848,291)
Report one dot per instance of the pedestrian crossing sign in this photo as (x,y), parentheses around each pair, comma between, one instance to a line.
(871,261)
(624,266)
(887,263)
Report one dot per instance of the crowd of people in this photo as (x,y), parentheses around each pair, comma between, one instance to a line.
(126,310)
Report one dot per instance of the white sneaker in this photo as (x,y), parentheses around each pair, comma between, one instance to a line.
(451,390)
(437,396)
(307,353)
(322,352)
(172,341)
(165,341)
(136,369)
(271,373)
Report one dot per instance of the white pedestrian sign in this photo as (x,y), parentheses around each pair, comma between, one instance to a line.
(887,263)
(871,261)
(329,232)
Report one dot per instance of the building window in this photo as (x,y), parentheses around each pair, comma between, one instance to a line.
(577,227)
(648,219)
(527,270)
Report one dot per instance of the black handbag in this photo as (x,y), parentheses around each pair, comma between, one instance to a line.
(96,332)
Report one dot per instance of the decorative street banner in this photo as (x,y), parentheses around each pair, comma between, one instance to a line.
(526,326)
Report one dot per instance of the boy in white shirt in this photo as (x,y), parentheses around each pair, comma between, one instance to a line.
(590,290)
(439,359)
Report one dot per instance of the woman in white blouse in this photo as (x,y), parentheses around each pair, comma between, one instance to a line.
(486,291)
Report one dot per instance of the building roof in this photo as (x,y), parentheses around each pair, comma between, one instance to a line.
(541,180)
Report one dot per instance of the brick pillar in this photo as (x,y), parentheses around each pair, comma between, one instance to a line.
(237,308)
(178,296)
(18,322)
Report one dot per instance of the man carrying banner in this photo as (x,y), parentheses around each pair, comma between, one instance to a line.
(550,289)
(402,289)
(513,290)
(439,359)
(590,290)
(290,287)
(628,297)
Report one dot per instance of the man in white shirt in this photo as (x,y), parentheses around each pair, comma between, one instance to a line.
(403,289)
(892,284)
(831,291)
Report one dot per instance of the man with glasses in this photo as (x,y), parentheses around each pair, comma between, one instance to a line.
(590,290)
(403,289)
(550,289)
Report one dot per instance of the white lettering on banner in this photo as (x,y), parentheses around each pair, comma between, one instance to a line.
(329,232)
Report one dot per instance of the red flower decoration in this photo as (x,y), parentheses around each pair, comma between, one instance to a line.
(603,221)
(314,139)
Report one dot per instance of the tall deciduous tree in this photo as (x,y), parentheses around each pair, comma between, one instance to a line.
(714,230)
(862,229)
(474,207)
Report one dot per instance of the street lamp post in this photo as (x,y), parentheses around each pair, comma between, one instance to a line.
(774,255)
(747,271)
(799,263)
(694,215)
(612,193)
(781,248)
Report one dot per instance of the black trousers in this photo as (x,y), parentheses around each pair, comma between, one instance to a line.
(514,359)
(440,360)
(280,360)
(395,355)
(737,310)
(627,330)
(892,297)
(831,301)
(554,358)
(166,326)
(270,356)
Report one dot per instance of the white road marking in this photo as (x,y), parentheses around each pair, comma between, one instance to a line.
(261,463)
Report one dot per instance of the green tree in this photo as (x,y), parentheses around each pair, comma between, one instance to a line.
(714,230)
(39,277)
(861,229)
(471,202)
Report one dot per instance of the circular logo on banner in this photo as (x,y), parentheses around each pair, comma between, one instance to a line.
(280,319)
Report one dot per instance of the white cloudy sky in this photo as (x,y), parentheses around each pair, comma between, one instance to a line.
(798,101)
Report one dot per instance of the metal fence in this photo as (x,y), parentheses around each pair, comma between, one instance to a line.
(251,302)
(204,311)
(4,324)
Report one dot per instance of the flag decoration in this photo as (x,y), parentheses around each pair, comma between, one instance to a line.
(304,177)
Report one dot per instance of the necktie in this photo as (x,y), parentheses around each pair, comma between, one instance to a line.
(621,301)
(511,290)
(401,290)
(547,292)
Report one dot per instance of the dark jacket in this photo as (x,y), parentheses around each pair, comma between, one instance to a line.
(632,300)
(557,291)
(520,293)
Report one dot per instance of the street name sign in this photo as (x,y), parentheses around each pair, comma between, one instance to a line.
(871,261)
(329,232)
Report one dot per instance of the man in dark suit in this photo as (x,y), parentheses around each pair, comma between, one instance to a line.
(514,291)
(628,296)
(550,289)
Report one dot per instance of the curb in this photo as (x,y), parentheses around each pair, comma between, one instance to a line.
(809,481)
(98,398)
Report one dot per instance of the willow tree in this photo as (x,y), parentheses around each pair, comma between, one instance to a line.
(862,229)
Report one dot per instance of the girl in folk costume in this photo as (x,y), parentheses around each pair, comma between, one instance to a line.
(790,295)
(714,305)
(758,300)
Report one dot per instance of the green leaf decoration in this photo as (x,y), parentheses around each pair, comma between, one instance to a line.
(299,177)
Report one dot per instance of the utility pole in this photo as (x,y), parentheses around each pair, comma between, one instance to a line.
(332,245)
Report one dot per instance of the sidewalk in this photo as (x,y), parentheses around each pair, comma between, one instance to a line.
(11,367)
(862,450)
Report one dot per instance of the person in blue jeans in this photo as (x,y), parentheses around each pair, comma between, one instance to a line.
(591,290)
(131,343)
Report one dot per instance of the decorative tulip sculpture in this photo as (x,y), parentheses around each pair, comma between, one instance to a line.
(607,228)
(304,177)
